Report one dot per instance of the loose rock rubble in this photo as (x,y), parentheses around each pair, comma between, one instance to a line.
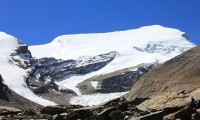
(117,109)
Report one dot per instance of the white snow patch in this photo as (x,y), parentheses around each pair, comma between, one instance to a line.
(94,84)
(94,99)
(47,79)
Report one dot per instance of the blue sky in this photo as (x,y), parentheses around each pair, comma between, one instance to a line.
(40,21)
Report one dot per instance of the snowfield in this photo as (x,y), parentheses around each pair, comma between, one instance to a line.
(94,99)
(74,46)
(14,77)
(143,45)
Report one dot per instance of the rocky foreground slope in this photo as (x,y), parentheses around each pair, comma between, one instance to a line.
(117,109)
(179,73)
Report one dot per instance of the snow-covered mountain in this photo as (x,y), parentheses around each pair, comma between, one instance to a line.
(144,45)
(98,58)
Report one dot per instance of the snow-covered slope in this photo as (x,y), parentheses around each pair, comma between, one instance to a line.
(94,99)
(14,76)
(143,45)
(152,39)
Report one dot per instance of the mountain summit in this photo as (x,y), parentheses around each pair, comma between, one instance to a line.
(149,39)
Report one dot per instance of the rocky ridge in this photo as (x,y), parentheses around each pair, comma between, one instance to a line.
(117,81)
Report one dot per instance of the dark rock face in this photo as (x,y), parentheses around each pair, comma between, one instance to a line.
(122,82)
(186,37)
(23,50)
(118,81)
(4,91)
(22,56)
(1,80)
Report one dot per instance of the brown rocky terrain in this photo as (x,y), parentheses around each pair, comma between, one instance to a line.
(117,109)
(179,73)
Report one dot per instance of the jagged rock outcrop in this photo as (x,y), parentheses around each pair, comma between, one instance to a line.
(117,81)
(22,56)
(23,50)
